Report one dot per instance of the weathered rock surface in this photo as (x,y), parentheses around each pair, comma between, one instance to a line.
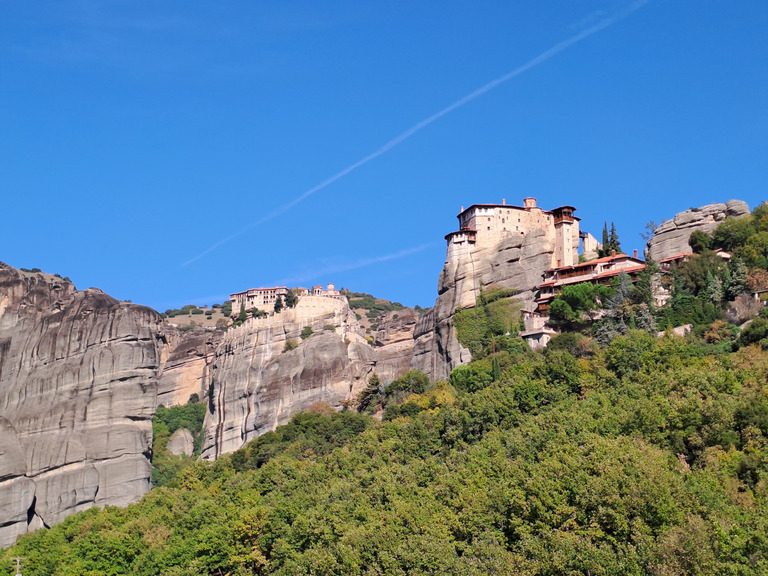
(257,385)
(78,388)
(181,442)
(187,364)
(672,236)
(515,263)
(394,343)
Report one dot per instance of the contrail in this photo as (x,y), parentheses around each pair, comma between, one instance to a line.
(360,263)
(541,58)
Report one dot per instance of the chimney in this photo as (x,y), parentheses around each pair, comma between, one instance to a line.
(503,201)
(635,253)
(613,252)
(461,210)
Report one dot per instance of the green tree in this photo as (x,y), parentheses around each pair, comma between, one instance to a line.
(371,394)
(700,241)
(613,241)
(289,345)
(278,304)
(242,316)
(291,299)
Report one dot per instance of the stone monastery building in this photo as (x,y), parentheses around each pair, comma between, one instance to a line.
(264,298)
(485,225)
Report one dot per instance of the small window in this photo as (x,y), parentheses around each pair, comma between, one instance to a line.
(489,227)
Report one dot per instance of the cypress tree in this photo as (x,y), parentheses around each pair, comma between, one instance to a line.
(613,241)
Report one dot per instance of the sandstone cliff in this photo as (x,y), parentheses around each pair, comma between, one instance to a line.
(257,384)
(187,364)
(394,343)
(78,387)
(672,236)
(515,263)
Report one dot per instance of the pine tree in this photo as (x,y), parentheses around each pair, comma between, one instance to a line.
(714,289)
(370,394)
(278,304)
(242,316)
(738,283)
(291,299)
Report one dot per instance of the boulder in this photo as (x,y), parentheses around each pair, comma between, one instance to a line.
(181,442)
(671,238)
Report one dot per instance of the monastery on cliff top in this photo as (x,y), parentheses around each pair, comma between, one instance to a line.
(485,225)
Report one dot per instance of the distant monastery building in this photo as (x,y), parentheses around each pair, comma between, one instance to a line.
(264,298)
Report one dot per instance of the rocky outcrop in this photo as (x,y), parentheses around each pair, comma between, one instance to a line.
(671,238)
(78,388)
(259,382)
(181,442)
(186,364)
(394,343)
(515,263)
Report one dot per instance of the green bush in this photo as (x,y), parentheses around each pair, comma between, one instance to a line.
(306,332)
(290,344)
(755,333)
(495,315)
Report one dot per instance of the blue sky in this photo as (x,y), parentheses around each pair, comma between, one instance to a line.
(156,150)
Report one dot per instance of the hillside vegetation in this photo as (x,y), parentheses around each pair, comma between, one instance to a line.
(647,456)
(611,452)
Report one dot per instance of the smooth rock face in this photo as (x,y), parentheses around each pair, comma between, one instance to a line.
(671,238)
(516,263)
(394,343)
(78,388)
(181,442)
(258,386)
(187,365)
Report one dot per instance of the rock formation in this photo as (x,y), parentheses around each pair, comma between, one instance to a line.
(394,342)
(186,364)
(516,263)
(82,374)
(78,388)
(672,236)
(259,383)
(181,442)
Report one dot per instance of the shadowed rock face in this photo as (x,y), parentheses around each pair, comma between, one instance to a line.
(516,263)
(394,343)
(187,365)
(671,238)
(78,388)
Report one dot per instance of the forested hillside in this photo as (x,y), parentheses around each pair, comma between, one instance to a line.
(647,456)
(614,451)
